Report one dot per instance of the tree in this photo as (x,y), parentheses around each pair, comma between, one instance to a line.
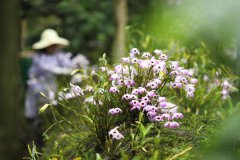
(121,22)
(10,78)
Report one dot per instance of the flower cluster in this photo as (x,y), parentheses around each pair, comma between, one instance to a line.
(115,134)
(226,89)
(139,80)
(115,111)
(183,78)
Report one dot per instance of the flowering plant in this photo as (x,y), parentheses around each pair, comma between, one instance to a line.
(124,102)
(141,80)
(215,82)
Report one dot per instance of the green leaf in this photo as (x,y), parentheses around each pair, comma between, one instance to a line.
(88,119)
(98,157)
(75,71)
(43,94)
(43,108)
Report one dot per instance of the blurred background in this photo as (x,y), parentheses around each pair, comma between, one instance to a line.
(95,27)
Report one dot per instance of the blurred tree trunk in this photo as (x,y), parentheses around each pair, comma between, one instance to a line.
(10,78)
(121,22)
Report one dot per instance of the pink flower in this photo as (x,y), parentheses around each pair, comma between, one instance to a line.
(115,134)
(134,103)
(190,88)
(114,77)
(193,81)
(149,108)
(151,114)
(178,79)
(118,68)
(141,90)
(163,57)
(162,99)
(126,59)
(143,103)
(135,91)
(158,118)
(163,104)
(190,94)
(159,68)
(133,97)
(152,85)
(177,115)
(153,108)
(134,61)
(134,52)
(135,107)
(158,52)
(185,72)
(174,125)
(174,65)
(126,96)
(151,93)
(103,69)
(129,82)
(224,92)
(146,99)
(174,73)
(171,124)
(157,81)
(120,82)
(112,111)
(115,111)
(143,64)
(152,61)
(226,85)
(190,73)
(89,88)
(167,124)
(184,80)
(113,131)
(175,85)
(113,90)
(166,116)
(76,90)
(146,55)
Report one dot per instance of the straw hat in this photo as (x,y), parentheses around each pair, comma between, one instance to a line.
(50,37)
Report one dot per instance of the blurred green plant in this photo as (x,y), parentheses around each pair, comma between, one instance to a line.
(214,22)
(33,153)
(89,25)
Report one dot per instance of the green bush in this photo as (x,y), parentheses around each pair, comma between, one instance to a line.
(83,122)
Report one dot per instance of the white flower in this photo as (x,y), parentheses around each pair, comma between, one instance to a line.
(76,90)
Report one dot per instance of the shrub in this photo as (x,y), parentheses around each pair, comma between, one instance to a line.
(133,109)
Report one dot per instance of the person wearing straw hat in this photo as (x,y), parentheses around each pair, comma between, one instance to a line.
(48,61)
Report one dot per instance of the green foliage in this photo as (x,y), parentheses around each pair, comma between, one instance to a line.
(214,22)
(33,153)
(74,20)
(209,73)
(89,25)
(80,126)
